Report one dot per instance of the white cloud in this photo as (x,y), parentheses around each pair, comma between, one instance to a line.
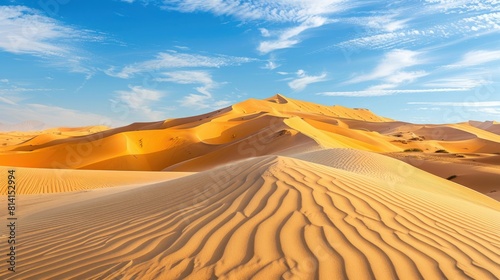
(290,37)
(199,101)
(204,98)
(392,63)
(4,80)
(304,14)
(173,59)
(390,69)
(386,23)
(477,57)
(490,111)
(460,104)
(464,27)
(267,10)
(271,65)
(191,77)
(405,77)
(187,77)
(465,81)
(460,6)
(26,31)
(264,32)
(13,94)
(385,92)
(303,80)
(140,100)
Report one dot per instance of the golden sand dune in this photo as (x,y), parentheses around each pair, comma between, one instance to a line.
(276,125)
(479,172)
(44,180)
(490,126)
(269,217)
(269,189)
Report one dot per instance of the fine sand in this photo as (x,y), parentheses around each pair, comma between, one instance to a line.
(267,218)
(264,189)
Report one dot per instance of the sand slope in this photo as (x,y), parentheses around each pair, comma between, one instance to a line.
(270,189)
(43,180)
(479,172)
(270,217)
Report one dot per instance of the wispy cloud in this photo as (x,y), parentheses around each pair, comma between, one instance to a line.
(391,64)
(304,15)
(477,57)
(384,23)
(460,6)
(202,78)
(173,59)
(198,101)
(25,30)
(271,65)
(204,98)
(414,35)
(390,72)
(460,104)
(140,100)
(290,37)
(266,10)
(491,108)
(385,92)
(469,80)
(12,94)
(303,80)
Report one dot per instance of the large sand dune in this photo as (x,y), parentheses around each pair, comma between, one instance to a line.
(271,217)
(264,189)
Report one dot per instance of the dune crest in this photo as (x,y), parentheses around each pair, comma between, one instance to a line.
(198,143)
(274,217)
(264,189)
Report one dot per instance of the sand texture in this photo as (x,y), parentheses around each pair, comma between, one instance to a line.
(264,189)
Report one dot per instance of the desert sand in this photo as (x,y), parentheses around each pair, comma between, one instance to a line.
(264,189)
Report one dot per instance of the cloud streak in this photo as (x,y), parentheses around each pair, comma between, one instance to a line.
(28,31)
(391,64)
(290,37)
(173,59)
(460,104)
(303,80)
(477,57)
(265,10)
(383,92)
(140,100)
(422,34)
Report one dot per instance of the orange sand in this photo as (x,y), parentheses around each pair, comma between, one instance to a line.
(271,189)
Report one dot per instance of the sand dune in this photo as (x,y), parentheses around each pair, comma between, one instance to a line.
(477,171)
(43,180)
(267,218)
(264,189)
(250,128)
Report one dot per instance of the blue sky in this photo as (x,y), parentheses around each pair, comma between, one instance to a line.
(111,62)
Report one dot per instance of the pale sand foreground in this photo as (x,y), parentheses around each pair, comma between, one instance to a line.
(334,214)
(44,180)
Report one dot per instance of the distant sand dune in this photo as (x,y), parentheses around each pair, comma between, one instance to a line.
(268,218)
(202,142)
